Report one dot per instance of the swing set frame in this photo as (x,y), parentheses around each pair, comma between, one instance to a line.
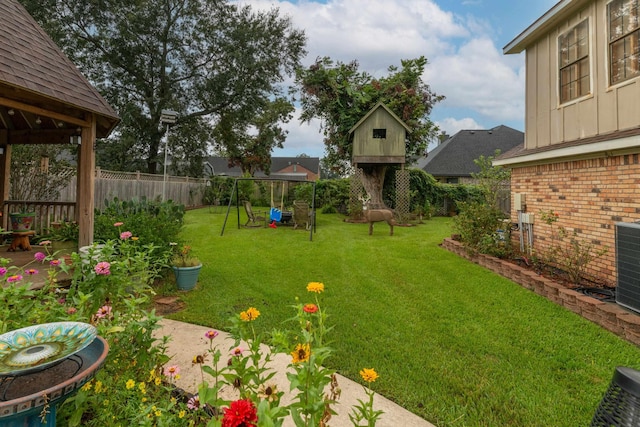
(234,192)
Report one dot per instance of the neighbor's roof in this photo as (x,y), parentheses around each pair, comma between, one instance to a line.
(544,24)
(455,156)
(221,166)
(31,61)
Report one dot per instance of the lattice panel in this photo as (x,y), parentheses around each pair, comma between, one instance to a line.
(356,189)
(403,195)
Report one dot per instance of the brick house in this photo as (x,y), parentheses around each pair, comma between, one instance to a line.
(581,155)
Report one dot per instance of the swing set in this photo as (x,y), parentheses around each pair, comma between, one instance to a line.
(276,215)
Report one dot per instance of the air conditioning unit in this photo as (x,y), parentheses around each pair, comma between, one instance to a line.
(628,265)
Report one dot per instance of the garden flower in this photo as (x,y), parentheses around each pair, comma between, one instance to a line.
(172,371)
(194,402)
(103,312)
(118,224)
(316,287)
(240,413)
(125,235)
(3,271)
(54,262)
(39,256)
(31,271)
(237,351)
(130,384)
(211,334)
(102,268)
(182,413)
(310,308)
(199,359)
(301,353)
(369,375)
(45,243)
(135,238)
(268,392)
(71,310)
(249,315)
(14,278)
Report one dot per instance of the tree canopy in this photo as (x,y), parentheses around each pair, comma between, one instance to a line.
(340,95)
(217,64)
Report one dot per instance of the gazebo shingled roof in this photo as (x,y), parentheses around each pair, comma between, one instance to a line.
(45,99)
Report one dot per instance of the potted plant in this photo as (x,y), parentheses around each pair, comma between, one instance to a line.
(21,221)
(186,267)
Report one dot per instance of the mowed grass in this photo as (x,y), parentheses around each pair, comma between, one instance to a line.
(452,342)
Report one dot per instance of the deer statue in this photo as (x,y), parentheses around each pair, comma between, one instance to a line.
(376,215)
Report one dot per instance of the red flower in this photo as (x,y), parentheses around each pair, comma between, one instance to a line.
(241,413)
(310,308)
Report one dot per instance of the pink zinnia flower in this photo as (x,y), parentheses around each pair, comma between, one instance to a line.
(71,310)
(14,278)
(237,351)
(118,224)
(45,242)
(31,271)
(211,334)
(125,235)
(39,256)
(3,271)
(171,371)
(103,312)
(54,262)
(102,268)
(194,402)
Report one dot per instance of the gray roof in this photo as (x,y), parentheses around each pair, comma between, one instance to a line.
(221,167)
(31,62)
(455,156)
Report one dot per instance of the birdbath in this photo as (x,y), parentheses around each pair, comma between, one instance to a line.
(43,365)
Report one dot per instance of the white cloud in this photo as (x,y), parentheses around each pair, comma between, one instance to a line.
(480,83)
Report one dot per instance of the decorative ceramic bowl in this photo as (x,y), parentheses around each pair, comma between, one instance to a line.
(36,347)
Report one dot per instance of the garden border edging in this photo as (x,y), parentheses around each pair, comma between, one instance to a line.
(611,316)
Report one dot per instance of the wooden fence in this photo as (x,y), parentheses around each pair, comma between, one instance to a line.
(109,184)
(136,185)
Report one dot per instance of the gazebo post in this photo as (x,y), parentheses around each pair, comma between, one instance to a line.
(86,183)
(5,169)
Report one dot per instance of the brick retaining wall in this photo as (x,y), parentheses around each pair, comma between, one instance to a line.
(611,316)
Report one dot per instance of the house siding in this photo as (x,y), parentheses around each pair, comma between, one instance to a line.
(589,196)
(607,109)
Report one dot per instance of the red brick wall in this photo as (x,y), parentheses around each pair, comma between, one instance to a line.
(590,196)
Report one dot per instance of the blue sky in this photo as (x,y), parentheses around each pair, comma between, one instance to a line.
(462,40)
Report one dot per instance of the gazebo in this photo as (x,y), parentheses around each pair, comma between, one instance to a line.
(44,99)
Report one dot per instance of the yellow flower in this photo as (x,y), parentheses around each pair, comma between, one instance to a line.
(86,387)
(369,375)
(157,381)
(182,413)
(130,384)
(99,387)
(301,353)
(249,315)
(143,388)
(316,287)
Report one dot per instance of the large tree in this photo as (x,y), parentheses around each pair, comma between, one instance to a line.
(340,95)
(201,58)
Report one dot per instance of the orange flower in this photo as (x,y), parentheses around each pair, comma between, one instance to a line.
(249,315)
(301,353)
(310,308)
(316,287)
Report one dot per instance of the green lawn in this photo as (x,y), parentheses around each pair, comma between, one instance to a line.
(454,343)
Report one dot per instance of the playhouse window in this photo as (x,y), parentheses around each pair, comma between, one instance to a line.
(624,40)
(380,133)
(575,73)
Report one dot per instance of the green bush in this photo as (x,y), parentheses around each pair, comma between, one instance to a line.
(478,224)
(152,222)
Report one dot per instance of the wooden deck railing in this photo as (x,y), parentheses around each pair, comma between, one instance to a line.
(46,213)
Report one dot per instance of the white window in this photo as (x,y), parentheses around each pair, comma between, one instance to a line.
(624,33)
(575,69)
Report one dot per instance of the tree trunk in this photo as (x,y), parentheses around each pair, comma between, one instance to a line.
(372,181)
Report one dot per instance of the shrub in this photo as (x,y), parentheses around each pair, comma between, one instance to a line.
(478,224)
(152,222)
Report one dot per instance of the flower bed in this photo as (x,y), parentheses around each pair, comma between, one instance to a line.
(611,316)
